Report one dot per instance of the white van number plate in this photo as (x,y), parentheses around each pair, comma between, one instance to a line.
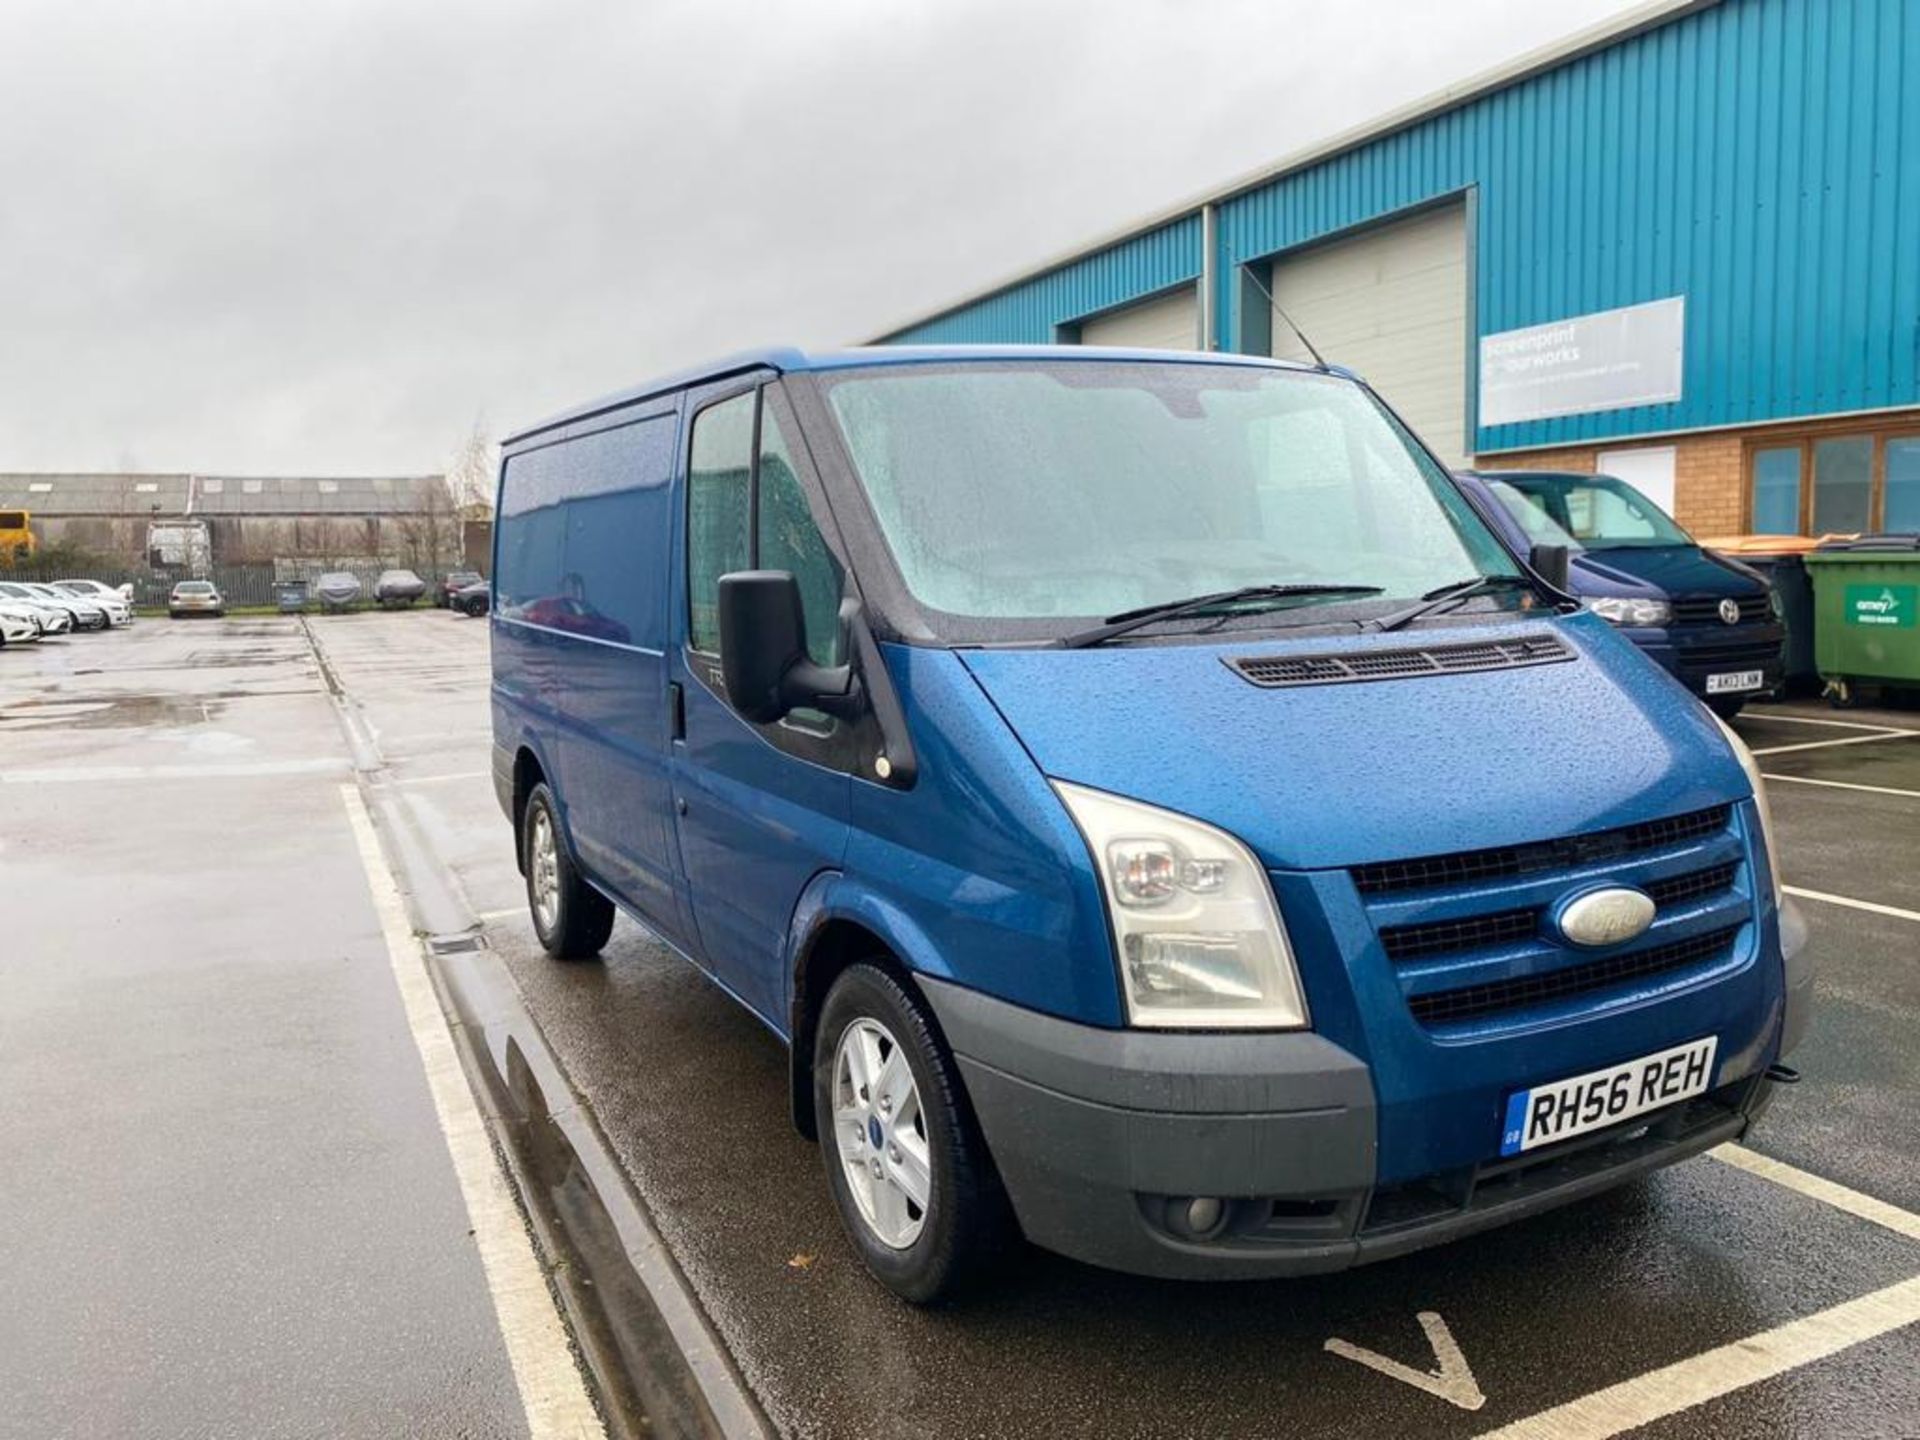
(1734,680)
(1567,1108)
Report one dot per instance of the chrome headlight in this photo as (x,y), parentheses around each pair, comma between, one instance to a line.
(1626,610)
(1200,939)
(1752,767)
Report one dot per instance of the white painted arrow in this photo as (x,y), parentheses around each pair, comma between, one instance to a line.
(1453,1381)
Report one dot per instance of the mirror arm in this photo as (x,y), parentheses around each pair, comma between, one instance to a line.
(834,690)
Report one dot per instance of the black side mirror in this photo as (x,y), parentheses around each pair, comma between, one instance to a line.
(763,650)
(1549,562)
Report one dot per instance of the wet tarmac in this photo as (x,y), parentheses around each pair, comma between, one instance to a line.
(690,1092)
(226,1207)
(229,1210)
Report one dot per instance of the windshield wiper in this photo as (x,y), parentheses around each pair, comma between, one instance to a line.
(1128,620)
(1447,595)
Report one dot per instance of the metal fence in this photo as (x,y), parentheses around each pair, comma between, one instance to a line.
(239,584)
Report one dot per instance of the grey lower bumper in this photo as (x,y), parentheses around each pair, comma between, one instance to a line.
(1102,1137)
(1799,967)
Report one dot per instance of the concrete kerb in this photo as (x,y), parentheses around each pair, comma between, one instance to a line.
(658,1363)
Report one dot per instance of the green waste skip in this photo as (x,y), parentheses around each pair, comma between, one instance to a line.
(1866,599)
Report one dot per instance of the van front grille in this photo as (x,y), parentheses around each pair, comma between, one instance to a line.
(1512,861)
(1476,932)
(1473,1002)
(1508,927)
(1274,672)
(1705,610)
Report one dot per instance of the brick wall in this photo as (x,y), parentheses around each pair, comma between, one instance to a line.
(1709,490)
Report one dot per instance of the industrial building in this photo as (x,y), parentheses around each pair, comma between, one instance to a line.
(298,523)
(1682,247)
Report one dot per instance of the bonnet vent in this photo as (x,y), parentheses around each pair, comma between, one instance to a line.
(1274,672)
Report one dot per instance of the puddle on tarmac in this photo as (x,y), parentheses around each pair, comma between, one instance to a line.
(119,712)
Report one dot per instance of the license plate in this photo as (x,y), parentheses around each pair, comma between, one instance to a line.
(1566,1108)
(1734,680)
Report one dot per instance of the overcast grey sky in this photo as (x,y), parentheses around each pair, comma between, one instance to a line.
(307,237)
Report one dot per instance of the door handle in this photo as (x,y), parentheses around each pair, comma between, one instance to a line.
(676,711)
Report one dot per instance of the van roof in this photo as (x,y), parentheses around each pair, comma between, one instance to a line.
(788,360)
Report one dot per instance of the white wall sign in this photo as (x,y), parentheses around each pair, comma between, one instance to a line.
(1604,361)
(1648,468)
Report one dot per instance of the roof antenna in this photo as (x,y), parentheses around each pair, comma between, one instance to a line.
(1318,362)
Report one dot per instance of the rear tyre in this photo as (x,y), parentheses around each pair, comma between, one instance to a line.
(909,1170)
(1726,706)
(570,917)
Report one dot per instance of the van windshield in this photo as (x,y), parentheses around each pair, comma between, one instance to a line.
(1597,511)
(1012,491)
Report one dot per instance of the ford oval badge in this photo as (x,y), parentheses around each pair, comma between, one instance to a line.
(1605,917)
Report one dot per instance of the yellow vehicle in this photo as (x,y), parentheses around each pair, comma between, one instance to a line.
(16,535)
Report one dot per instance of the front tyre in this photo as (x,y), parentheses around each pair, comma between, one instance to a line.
(908,1167)
(570,917)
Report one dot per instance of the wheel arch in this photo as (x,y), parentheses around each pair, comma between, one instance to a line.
(835,925)
(530,768)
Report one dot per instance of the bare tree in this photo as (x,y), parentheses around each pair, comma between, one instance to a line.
(470,473)
(430,532)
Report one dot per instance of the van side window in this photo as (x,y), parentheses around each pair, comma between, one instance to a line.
(719,506)
(789,540)
(722,537)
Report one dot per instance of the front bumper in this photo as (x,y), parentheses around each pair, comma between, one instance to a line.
(1102,1137)
(1692,653)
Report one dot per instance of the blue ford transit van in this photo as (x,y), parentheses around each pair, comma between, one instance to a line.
(1157,814)
(1711,622)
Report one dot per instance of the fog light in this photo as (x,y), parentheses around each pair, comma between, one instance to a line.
(1195,1217)
(1203,1213)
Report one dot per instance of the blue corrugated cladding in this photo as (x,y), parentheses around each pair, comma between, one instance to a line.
(1029,313)
(1759,157)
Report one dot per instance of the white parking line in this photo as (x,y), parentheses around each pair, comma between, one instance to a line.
(1700,1378)
(1842,785)
(1868,905)
(1694,1381)
(551,1391)
(1827,1192)
(1771,719)
(1829,744)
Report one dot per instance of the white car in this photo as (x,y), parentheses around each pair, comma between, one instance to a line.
(100,590)
(18,626)
(86,615)
(119,612)
(55,618)
(45,621)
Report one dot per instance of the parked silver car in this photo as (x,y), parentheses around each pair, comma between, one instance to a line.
(196,597)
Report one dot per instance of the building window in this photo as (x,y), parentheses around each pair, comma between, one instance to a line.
(1843,485)
(1834,480)
(1902,470)
(1776,491)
